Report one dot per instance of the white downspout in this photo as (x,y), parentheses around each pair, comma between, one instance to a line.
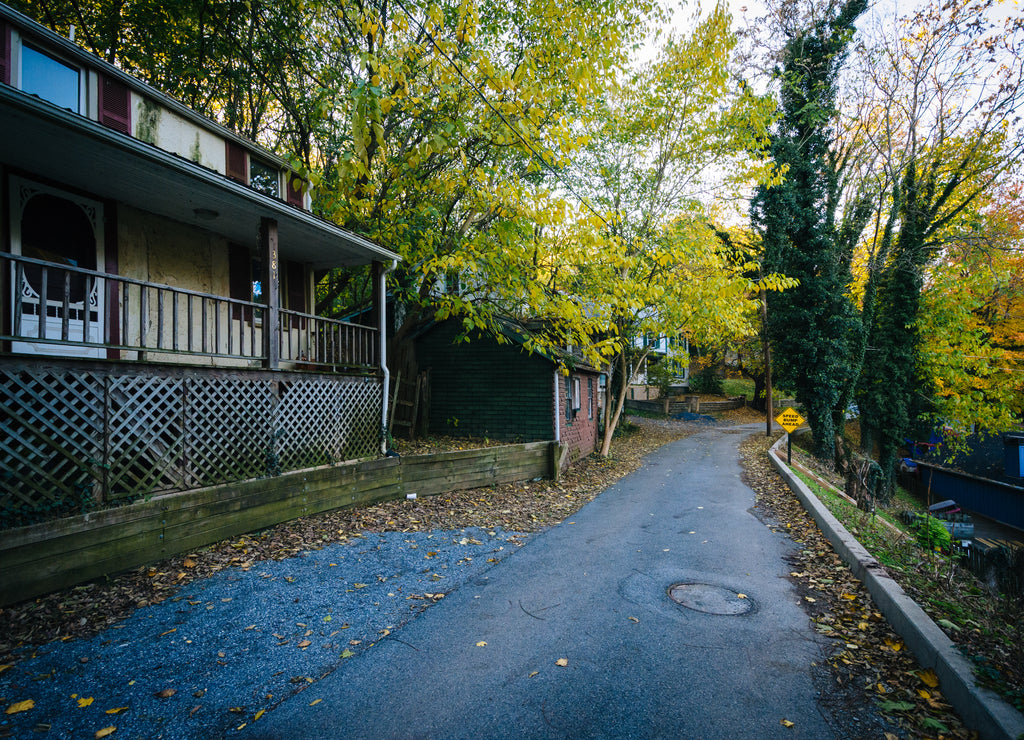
(382,319)
(558,413)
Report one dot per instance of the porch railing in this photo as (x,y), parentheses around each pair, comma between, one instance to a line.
(88,312)
(320,342)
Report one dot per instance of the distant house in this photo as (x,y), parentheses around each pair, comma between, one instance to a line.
(487,388)
(157,326)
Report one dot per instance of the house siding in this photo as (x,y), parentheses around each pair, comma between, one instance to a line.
(483,389)
(158,250)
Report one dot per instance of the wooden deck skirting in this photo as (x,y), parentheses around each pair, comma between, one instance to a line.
(45,557)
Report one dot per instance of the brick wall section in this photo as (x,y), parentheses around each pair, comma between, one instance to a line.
(578,426)
(483,389)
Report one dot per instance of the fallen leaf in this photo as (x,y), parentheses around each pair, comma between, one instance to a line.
(347,654)
(929,677)
(168,632)
(21,706)
(165,693)
(786,723)
(106,731)
(481,644)
(634,620)
(258,714)
(305,644)
(741,596)
(562,662)
(5,666)
(315,702)
(534,674)
(116,710)
(895,706)
(83,702)
(189,563)
(236,710)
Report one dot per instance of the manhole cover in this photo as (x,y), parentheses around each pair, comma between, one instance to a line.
(704,597)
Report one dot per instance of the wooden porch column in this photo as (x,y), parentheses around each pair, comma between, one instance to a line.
(272,293)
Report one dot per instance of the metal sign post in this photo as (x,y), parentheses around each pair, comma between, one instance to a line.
(790,420)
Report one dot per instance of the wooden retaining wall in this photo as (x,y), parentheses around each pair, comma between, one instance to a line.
(45,557)
(679,404)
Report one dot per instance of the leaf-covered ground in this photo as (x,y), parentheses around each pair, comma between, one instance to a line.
(868,678)
(870,670)
(985,626)
(83,611)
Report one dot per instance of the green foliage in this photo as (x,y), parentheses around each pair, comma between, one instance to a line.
(661,375)
(706,379)
(814,328)
(948,78)
(738,387)
(931,534)
(19,512)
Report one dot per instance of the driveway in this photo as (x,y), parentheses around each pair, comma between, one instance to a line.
(568,633)
(577,633)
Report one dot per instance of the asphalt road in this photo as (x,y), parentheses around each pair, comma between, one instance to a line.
(594,592)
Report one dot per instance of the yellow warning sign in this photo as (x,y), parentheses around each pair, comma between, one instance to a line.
(790,420)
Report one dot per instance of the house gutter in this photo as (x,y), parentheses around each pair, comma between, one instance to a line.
(382,323)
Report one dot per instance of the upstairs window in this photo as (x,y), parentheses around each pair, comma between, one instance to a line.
(264,177)
(49,78)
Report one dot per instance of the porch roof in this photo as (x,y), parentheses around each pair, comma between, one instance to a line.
(45,141)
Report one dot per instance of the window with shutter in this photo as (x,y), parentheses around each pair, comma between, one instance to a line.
(5,53)
(115,104)
(296,190)
(237,162)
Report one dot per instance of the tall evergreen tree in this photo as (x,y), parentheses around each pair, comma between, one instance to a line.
(814,328)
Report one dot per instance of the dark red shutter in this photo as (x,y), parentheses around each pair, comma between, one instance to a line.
(115,105)
(296,190)
(237,163)
(5,53)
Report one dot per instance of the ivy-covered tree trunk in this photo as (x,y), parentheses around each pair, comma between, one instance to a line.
(814,328)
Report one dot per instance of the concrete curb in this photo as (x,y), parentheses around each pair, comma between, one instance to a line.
(980,708)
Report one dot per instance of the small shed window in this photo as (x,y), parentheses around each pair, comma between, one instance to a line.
(590,398)
(576,395)
(50,78)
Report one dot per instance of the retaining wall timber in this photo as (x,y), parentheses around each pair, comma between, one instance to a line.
(41,558)
(679,404)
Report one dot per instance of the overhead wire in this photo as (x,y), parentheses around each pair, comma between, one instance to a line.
(537,155)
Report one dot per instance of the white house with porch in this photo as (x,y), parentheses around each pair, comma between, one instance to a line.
(157,325)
